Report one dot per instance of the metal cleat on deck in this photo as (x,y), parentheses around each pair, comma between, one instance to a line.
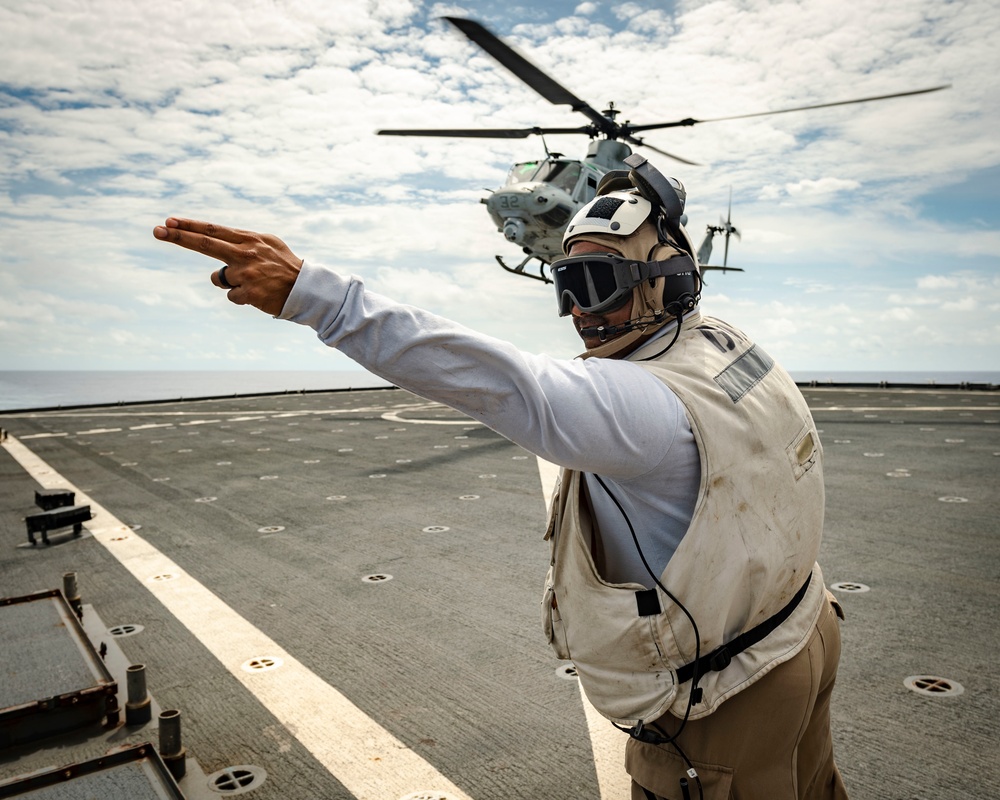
(56,518)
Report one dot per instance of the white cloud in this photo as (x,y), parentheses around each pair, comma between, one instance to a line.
(965,304)
(266,118)
(934,282)
(821,188)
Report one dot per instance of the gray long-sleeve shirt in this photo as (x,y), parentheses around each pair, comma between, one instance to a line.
(599,416)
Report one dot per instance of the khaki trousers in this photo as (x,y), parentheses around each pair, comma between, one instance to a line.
(769,742)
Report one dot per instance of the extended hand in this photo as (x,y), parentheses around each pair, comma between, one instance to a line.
(259,268)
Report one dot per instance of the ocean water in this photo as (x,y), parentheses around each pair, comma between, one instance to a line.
(54,389)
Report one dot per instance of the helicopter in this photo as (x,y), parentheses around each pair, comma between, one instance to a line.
(727,229)
(539,198)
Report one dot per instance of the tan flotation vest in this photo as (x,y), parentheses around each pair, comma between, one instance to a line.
(749,550)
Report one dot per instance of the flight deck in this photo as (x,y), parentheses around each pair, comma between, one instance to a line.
(338,593)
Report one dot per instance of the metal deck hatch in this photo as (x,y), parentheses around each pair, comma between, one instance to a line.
(137,773)
(51,678)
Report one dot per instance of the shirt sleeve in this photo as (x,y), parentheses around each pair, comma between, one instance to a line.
(594,415)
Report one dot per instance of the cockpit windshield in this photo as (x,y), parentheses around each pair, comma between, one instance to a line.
(561,174)
(522,173)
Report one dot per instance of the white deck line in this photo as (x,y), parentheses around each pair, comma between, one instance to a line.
(606,741)
(368,760)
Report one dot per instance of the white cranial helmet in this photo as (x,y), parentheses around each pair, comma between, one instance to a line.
(618,213)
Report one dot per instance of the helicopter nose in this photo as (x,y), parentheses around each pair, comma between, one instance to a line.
(513,229)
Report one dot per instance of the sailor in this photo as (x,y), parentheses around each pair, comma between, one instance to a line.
(683,582)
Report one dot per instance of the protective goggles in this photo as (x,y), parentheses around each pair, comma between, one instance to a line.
(597,282)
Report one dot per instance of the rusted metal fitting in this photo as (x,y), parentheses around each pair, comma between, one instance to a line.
(138,708)
(72,593)
(171,750)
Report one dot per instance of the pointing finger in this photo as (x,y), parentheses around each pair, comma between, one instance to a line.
(210,229)
(212,240)
(258,269)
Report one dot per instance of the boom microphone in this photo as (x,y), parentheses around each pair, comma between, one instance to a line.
(604,331)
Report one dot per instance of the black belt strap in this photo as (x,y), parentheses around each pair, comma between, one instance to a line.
(719,659)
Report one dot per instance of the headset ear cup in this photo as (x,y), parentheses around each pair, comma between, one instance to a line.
(680,293)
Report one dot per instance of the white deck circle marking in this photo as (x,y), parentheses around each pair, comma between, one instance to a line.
(933,685)
(262,664)
(237,779)
(850,587)
(396,416)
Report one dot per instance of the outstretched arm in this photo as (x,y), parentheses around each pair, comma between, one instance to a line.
(597,415)
(259,270)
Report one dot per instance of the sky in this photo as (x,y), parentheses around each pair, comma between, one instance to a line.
(870,233)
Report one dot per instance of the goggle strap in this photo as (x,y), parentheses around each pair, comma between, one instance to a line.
(636,272)
(665,269)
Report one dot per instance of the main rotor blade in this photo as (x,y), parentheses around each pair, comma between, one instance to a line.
(482,133)
(831,105)
(640,143)
(547,87)
(689,121)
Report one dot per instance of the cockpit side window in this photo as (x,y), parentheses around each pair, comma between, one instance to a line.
(564,175)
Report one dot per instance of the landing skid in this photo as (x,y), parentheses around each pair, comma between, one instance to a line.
(519,269)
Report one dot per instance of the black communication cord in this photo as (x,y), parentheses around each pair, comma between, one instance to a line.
(673,341)
(639,732)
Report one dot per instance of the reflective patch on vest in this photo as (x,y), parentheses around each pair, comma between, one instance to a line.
(744,373)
